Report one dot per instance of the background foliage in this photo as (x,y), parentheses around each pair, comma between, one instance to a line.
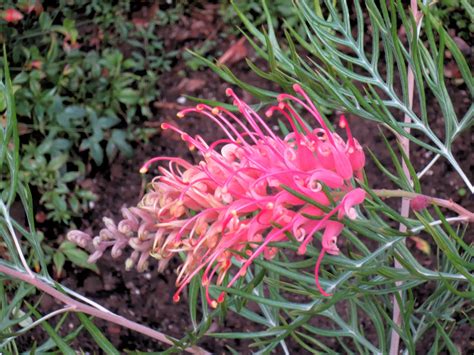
(83,81)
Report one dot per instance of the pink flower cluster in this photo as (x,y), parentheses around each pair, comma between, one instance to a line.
(236,203)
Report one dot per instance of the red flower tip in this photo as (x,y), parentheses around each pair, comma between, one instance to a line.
(179,115)
(176,298)
(221,297)
(297,87)
(342,122)
(419,203)
(214,304)
(229,92)
(12,15)
(165,126)
(302,249)
(269,112)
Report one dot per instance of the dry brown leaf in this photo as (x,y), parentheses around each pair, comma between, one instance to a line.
(235,53)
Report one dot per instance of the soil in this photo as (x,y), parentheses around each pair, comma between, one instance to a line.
(147,297)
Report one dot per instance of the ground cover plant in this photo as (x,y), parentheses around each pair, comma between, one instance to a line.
(283,232)
(82,80)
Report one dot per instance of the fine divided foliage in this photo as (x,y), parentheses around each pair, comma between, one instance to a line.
(338,59)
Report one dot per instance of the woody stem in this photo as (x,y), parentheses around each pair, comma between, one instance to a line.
(449,204)
(76,306)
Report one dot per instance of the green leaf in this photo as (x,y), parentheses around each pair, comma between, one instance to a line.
(108,122)
(120,140)
(45,21)
(79,257)
(97,153)
(128,96)
(58,339)
(69,114)
(70,176)
(99,338)
(57,162)
(58,260)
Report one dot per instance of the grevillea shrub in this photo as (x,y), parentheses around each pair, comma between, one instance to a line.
(239,217)
(285,232)
(242,196)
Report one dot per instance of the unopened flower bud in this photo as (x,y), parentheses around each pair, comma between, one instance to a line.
(105,234)
(419,203)
(109,224)
(95,256)
(116,251)
(79,238)
(142,264)
(129,263)
(96,242)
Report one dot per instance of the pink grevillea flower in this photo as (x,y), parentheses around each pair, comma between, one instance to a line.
(244,195)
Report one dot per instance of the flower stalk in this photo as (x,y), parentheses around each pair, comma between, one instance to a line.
(236,202)
(405,206)
(465,214)
(75,306)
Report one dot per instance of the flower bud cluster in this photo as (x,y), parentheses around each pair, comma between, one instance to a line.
(249,191)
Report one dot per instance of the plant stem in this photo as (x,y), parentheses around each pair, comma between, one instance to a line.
(405,207)
(438,222)
(449,204)
(428,167)
(44,318)
(77,306)
(15,239)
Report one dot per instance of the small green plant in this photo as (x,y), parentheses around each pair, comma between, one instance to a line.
(79,97)
(458,15)
(57,256)
(46,168)
(24,260)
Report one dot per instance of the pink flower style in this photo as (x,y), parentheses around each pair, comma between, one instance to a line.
(235,203)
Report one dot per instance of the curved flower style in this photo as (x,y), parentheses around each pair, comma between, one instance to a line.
(236,202)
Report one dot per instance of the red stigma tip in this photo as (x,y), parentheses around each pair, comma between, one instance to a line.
(176,298)
(165,126)
(297,87)
(229,91)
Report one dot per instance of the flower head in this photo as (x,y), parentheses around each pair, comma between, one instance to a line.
(243,196)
